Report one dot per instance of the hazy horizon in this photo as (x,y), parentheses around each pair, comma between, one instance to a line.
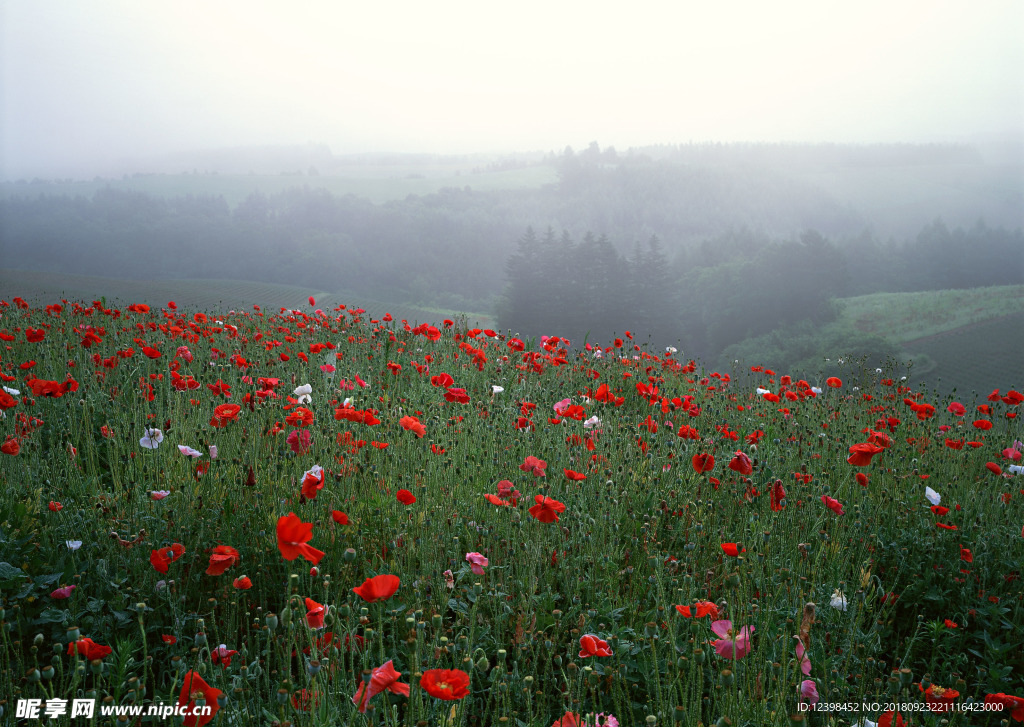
(91,87)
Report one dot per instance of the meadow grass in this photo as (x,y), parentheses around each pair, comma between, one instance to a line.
(794,516)
(905,317)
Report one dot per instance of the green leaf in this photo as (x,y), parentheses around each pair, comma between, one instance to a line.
(9,571)
(52,616)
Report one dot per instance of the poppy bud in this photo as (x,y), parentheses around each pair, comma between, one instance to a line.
(906,677)
(350,555)
(698,656)
(271,621)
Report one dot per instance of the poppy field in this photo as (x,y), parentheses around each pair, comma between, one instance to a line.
(311,516)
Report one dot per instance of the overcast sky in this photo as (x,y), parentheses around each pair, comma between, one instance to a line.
(87,83)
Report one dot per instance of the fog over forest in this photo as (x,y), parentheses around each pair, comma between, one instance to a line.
(731,186)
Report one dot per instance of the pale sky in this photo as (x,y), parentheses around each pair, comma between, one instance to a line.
(85,83)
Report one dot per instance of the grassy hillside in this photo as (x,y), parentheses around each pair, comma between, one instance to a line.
(977,357)
(903,317)
(44,288)
(963,339)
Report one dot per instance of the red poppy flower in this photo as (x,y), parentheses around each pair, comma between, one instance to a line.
(163,557)
(546,510)
(446,684)
(833,504)
(939,699)
(315,613)
(741,463)
(939,510)
(442,380)
(6,400)
(993,468)
(966,555)
(862,479)
(339,517)
(892,719)
(495,500)
(703,462)
(195,686)
(293,538)
(700,610)
(222,655)
(242,584)
(222,558)
(575,476)
(378,588)
(458,396)
(412,424)
(833,382)
(405,497)
(533,466)
(383,678)
(55,506)
(861,454)
(591,645)
(224,413)
(169,638)
(10,446)
(956,409)
(778,495)
(89,649)
(34,335)
(1015,705)
(982,424)
(305,700)
(151,352)
(301,417)
(732,549)
(569,719)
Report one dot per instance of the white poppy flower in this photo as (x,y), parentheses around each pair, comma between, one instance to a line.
(816,389)
(591,423)
(1016,469)
(188,451)
(838,600)
(73,544)
(671,349)
(762,392)
(213,451)
(159,494)
(495,389)
(303,392)
(932,496)
(12,392)
(151,439)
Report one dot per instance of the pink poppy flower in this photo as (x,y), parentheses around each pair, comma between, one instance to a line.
(477,563)
(731,645)
(805,662)
(64,592)
(809,692)
(299,440)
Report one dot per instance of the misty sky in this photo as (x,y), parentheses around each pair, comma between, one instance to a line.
(85,84)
